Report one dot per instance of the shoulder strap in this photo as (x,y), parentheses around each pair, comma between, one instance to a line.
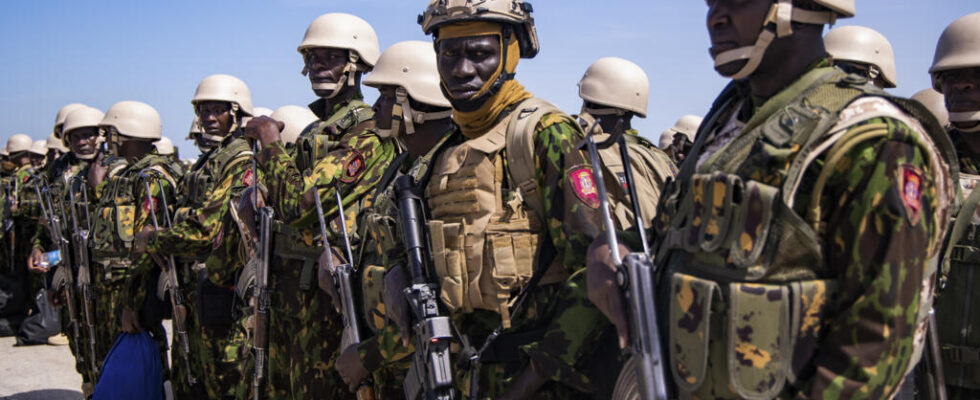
(963,218)
(520,149)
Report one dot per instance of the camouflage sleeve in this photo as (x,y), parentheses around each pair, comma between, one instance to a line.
(196,234)
(571,206)
(356,165)
(159,187)
(881,217)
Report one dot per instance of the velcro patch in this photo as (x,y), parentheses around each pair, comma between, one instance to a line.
(583,184)
(248,179)
(910,181)
(353,167)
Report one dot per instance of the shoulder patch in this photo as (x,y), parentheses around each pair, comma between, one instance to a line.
(910,187)
(353,167)
(248,178)
(583,184)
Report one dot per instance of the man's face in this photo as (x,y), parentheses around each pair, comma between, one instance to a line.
(83,141)
(215,117)
(734,24)
(37,160)
(325,66)
(383,107)
(962,90)
(133,149)
(21,159)
(467,63)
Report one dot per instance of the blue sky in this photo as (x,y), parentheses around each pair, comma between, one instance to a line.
(99,52)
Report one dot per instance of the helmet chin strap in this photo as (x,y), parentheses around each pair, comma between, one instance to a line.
(778,24)
(402,111)
(968,116)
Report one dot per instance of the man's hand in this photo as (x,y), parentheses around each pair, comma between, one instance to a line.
(141,239)
(34,261)
(396,305)
(325,277)
(350,368)
(524,386)
(131,321)
(97,171)
(603,290)
(264,129)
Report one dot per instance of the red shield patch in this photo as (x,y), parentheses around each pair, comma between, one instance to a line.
(248,179)
(147,206)
(910,179)
(353,167)
(583,184)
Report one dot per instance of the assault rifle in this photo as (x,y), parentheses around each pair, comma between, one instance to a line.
(342,281)
(8,221)
(635,275)
(168,281)
(84,280)
(431,375)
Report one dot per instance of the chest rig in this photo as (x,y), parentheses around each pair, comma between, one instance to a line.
(320,137)
(121,202)
(486,236)
(749,292)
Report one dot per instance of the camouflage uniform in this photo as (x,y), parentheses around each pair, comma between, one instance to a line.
(957,304)
(216,339)
(383,353)
(806,222)
(123,210)
(17,280)
(305,329)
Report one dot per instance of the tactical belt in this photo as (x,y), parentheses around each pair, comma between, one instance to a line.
(289,250)
(961,354)
(964,254)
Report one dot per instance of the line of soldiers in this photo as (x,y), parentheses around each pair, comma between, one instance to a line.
(462,238)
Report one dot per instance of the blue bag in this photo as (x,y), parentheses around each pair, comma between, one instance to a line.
(131,370)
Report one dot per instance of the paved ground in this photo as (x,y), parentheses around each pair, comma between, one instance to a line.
(37,372)
(42,372)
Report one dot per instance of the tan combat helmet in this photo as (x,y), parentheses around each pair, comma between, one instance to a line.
(958,48)
(410,67)
(164,146)
(19,143)
(228,89)
(261,111)
(935,102)
(59,119)
(39,147)
(779,24)
(133,119)
(3,151)
(864,46)
(295,118)
(616,83)
(342,31)
(53,143)
(687,125)
(516,13)
(85,117)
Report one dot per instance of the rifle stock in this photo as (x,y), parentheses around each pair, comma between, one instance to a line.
(431,375)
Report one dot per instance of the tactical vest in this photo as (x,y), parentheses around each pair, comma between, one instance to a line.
(200,182)
(486,229)
(957,304)
(319,138)
(748,291)
(115,222)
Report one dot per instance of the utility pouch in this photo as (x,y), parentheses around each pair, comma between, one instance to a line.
(449,258)
(758,339)
(691,299)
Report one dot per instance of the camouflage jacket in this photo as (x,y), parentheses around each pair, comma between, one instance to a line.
(25,180)
(125,207)
(60,174)
(222,173)
(806,222)
(382,249)
(322,136)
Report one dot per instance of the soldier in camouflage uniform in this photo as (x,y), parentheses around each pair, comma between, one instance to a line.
(796,244)
(956,74)
(207,273)
(20,218)
(863,51)
(124,208)
(338,151)
(79,130)
(411,109)
(509,206)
